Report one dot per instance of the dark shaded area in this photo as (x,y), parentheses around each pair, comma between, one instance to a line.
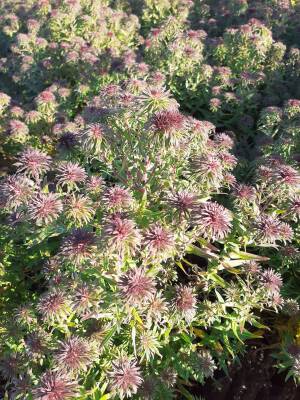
(255,379)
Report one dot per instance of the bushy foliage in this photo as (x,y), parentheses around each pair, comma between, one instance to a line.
(150,193)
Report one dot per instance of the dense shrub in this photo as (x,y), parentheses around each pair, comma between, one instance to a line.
(150,194)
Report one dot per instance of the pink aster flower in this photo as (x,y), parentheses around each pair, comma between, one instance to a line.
(70,174)
(125,377)
(55,386)
(136,287)
(33,163)
(212,220)
(183,202)
(74,354)
(158,240)
(44,208)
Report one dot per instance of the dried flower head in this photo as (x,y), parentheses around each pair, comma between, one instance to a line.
(55,386)
(212,220)
(45,208)
(125,377)
(33,163)
(79,246)
(136,287)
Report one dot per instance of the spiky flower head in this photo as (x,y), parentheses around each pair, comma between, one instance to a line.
(286,232)
(170,123)
(44,208)
(46,97)
(158,241)
(117,198)
(295,207)
(125,378)
(169,377)
(33,163)
(120,235)
(207,365)
(54,385)
(85,298)
(183,202)
(17,130)
(268,228)
(10,365)
(54,306)
(16,190)
(244,192)
(224,141)
(207,168)
(212,220)
(74,354)
(136,286)
(79,246)
(271,280)
(185,302)
(95,184)
(21,386)
(290,307)
(24,315)
(148,344)
(79,209)
(157,307)
(37,344)
(287,175)
(70,174)
(92,137)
